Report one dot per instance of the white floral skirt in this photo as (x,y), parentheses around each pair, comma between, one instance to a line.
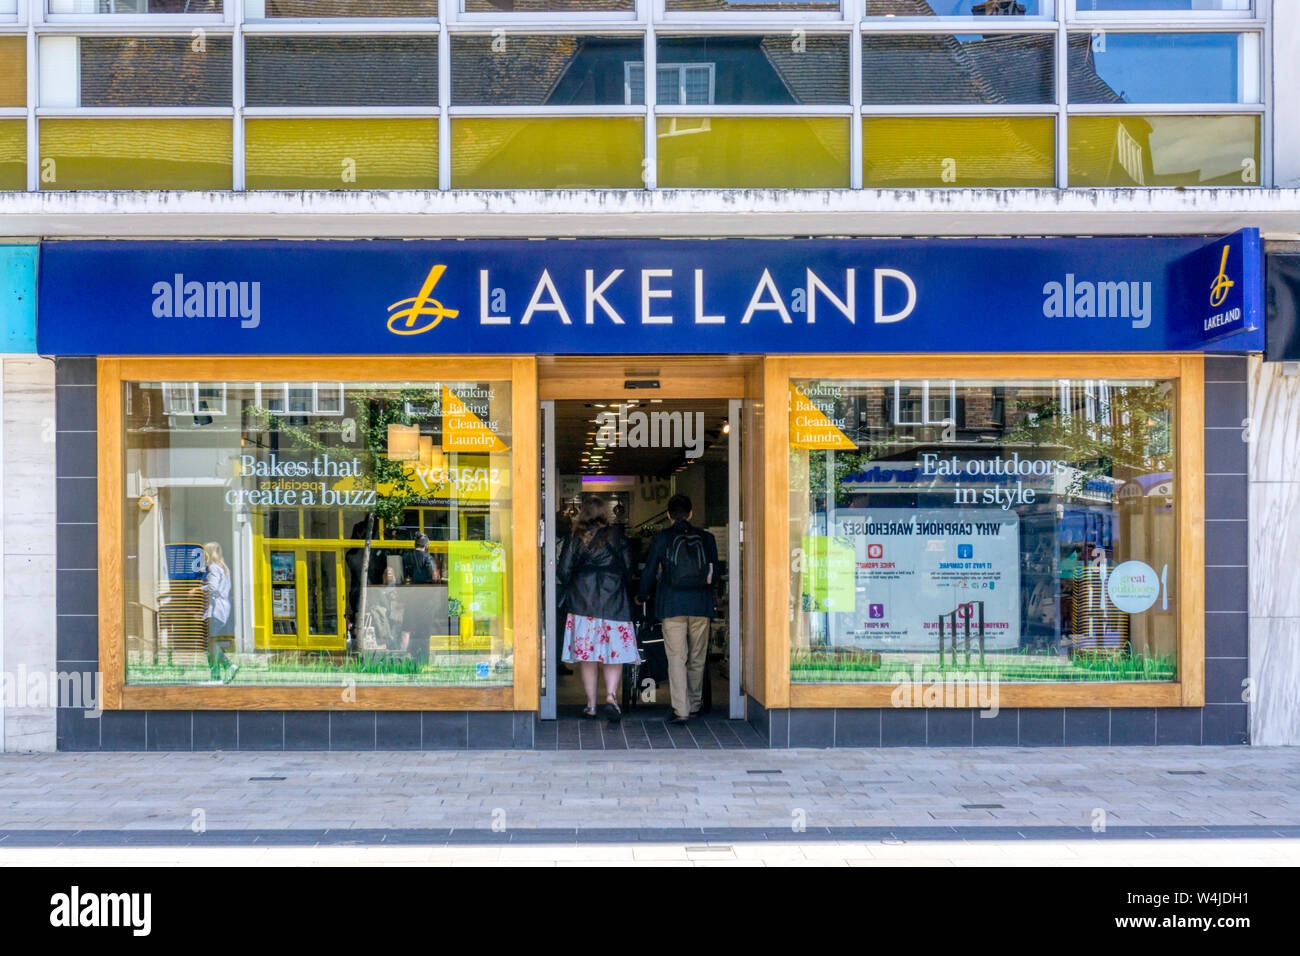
(595,639)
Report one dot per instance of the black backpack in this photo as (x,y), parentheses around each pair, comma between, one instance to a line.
(419,567)
(687,562)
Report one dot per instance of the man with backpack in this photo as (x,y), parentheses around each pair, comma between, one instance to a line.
(685,561)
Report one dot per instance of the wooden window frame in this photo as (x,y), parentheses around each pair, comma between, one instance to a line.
(1189,372)
(520,371)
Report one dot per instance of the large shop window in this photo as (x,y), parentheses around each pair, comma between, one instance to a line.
(1023,531)
(316,533)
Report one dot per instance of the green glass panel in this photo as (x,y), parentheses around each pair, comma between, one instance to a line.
(135,153)
(964,152)
(551,153)
(753,152)
(341,153)
(13,154)
(1164,151)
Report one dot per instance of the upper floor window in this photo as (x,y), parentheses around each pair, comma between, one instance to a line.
(336,9)
(549,6)
(752,6)
(166,71)
(1112,67)
(678,84)
(1157,7)
(89,7)
(959,8)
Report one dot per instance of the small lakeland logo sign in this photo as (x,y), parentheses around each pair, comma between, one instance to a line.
(422,312)
(1221,285)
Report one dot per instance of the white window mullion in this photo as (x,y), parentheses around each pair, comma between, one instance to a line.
(237,90)
(34,9)
(650,80)
(446,10)
(855,10)
(1062,98)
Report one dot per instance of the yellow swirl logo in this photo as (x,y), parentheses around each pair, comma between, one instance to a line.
(1221,285)
(421,313)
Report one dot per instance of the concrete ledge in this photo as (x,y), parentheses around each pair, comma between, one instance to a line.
(632,213)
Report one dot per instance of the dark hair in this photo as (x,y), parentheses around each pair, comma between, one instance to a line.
(421,541)
(592,516)
(679,507)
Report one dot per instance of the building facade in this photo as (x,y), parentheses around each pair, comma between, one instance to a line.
(950,315)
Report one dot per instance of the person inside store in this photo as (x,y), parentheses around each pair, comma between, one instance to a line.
(418,567)
(681,567)
(563,528)
(594,570)
(216,586)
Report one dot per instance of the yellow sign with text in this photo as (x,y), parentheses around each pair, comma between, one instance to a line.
(462,430)
(811,428)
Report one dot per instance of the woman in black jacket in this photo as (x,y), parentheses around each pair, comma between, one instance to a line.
(594,570)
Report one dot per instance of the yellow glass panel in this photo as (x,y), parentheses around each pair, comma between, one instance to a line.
(341,153)
(13,154)
(13,71)
(753,152)
(921,152)
(1164,150)
(550,153)
(135,154)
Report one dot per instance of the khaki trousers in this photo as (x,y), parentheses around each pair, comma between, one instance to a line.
(686,643)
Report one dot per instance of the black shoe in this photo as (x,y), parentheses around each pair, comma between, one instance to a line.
(612,712)
(589,713)
(678,720)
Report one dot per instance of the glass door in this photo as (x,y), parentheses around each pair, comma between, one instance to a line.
(549,484)
(321,599)
(735,542)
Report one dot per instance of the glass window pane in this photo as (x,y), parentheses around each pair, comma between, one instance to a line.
(135,153)
(84,7)
(1021,531)
(752,6)
(220,586)
(668,91)
(549,6)
(916,68)
(773,69)
(342,71)
(306,9)
(959,152)
(1164,150)
(149,71)
(548,153)
(544,70)
(389,153)
(753,152)
(1162,6)
(1110,67)
(13,71)
(13,154)
(959,8)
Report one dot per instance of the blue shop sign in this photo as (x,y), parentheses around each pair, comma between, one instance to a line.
(690,296)
(18,298)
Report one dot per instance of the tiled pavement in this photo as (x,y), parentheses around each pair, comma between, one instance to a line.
(635,732)
(641,790)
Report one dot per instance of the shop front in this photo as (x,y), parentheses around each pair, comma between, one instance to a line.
(964,491)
